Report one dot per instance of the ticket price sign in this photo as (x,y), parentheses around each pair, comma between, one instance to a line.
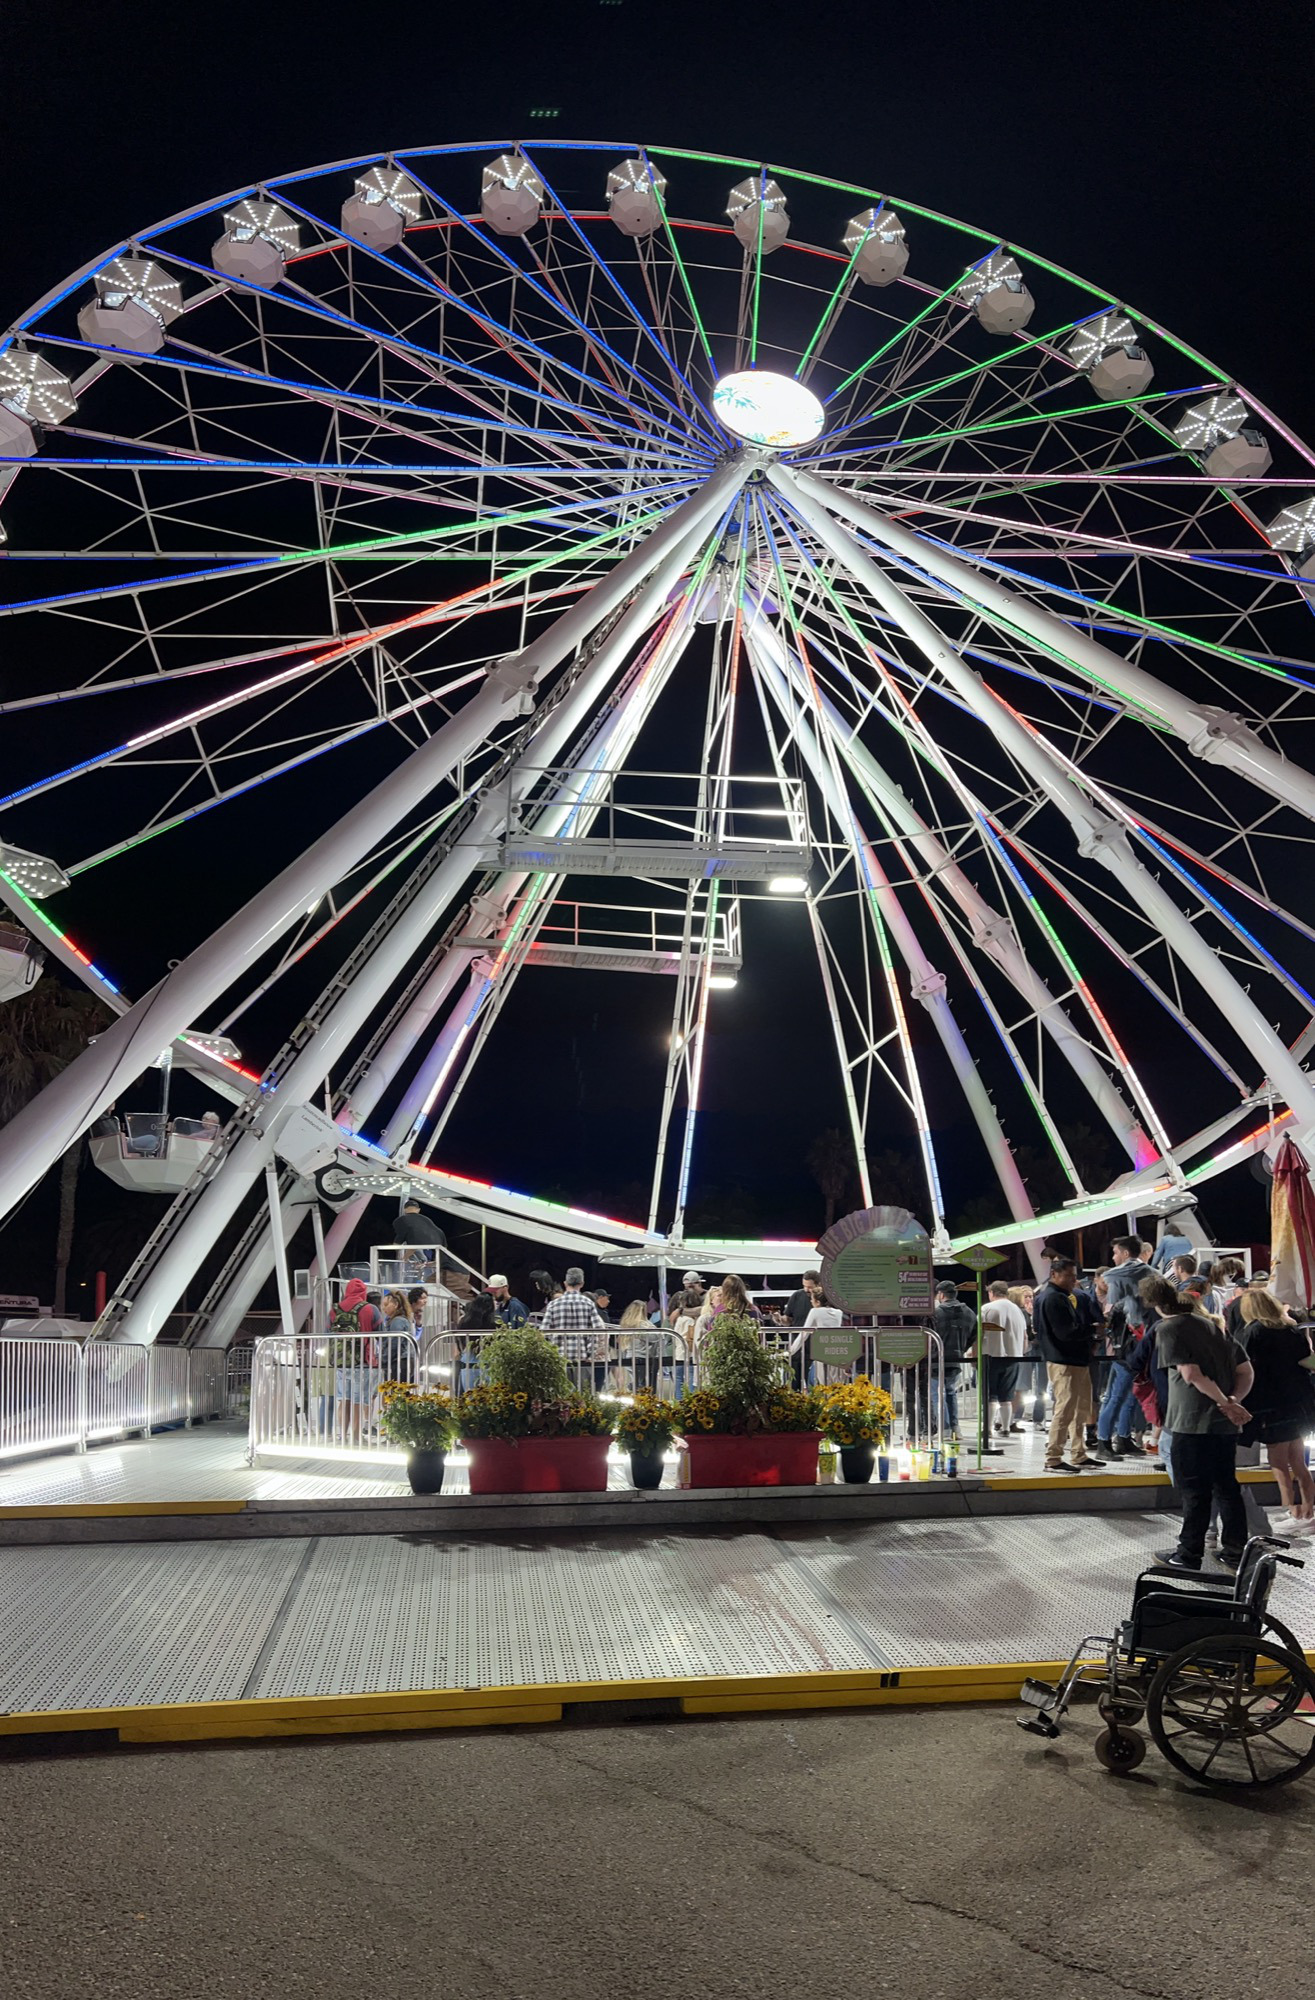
(835,1346)
(878,1261)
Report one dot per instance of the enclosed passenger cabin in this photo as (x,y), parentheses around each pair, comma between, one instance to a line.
(21,960)
(150,1152)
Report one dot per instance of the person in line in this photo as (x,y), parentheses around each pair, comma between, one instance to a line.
(1172,1244)
(1281,1401)
(1064,1340)
(733,1298)
(509,1310)
(1114,1425)
(1032,1377)
(1226,1281)
(1209,1376)
(1003,1337)
(355,1314)
(603,1301)
(955,1325)
(417,1299)
(478,1317)
(632,1354)
(573,1316)
(391,1351)
(684,1310)
(799,1304)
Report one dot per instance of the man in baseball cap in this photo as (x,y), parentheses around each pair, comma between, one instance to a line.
(509,1310)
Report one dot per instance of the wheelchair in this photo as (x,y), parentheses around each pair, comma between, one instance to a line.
(1222,1684)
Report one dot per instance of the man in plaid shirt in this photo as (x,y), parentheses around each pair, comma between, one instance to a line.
(571,1315)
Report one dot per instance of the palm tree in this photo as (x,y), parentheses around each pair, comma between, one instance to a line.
(831,1163)
(40,1034)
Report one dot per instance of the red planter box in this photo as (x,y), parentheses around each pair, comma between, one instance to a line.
(772,1458)
(538,1465)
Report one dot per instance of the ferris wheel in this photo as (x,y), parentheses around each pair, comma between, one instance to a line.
(446,467)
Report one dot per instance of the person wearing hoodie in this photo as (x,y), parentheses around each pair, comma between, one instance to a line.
(955,1325)
(353,1381)
(1123,1320)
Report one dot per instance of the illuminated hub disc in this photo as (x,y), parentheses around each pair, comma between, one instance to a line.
(761,408)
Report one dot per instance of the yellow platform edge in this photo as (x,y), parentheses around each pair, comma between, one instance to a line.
(468,1708)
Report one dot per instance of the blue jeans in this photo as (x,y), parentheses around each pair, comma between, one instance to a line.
(1164,1451)
(1115,1419)
(950,1415)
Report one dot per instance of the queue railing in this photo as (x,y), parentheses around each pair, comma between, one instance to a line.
(62,1394)
(317,1395)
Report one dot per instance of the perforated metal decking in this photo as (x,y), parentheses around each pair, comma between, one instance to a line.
(119,1627)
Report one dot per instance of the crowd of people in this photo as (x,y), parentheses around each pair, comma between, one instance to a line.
(1185,1359)
(1159,1353)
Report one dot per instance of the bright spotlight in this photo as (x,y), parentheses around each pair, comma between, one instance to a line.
(788,885)
(773,410)
(723,981)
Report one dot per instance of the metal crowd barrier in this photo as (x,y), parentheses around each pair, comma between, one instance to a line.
(237,1380)
(615,1363)
(317,1396)
(57,1395)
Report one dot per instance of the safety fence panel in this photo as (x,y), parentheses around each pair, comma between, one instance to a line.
(170,1386)
(116,1387)
(614,1363)
(40,1396)
(318,1396)
(237,1381)
(208,1382)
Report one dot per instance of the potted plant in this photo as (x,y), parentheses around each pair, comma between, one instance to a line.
(745,1426)
(857,1417)
(422,1420)
(525,1427)
(645,1428)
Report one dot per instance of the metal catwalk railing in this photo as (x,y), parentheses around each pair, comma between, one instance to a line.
(57,1395)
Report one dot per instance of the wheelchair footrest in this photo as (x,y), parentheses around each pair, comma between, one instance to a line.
(1037,1694)
(1038,1725)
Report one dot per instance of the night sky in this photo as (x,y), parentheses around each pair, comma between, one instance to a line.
(1164,151)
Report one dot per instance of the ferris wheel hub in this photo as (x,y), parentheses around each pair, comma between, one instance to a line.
(767,409)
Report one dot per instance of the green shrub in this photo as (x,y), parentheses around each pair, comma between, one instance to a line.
(524,1362)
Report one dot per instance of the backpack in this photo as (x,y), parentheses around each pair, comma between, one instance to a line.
(345,1320)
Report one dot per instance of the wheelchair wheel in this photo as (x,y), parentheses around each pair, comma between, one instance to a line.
(1227,1710)
(1120,1750)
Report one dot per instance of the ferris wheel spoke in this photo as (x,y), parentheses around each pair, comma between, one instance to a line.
(342,650)
(698,412)
(559,306)
(432,365)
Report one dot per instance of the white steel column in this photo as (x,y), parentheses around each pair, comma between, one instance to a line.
(44,1130)
(1210,733)
(199,1231)
(1099,837)
(927,984)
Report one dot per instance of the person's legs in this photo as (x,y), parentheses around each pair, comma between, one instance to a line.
(1064,1388)
(1195,1473)
(1227,1496)
(953,1377)
(1294,1475)
(1116,1410)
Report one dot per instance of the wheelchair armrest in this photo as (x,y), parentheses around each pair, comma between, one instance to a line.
(1194,1603)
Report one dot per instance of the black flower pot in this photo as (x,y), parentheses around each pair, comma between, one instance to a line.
(857,1462)
(424,1469)
(646,1469)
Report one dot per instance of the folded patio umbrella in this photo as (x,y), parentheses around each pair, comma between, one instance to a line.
(1292,1227)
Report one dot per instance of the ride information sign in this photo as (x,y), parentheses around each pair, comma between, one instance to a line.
(835,1346)
(878,1261)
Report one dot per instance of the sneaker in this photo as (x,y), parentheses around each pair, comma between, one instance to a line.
(1229,1558)
(1089,1461)
(1298,1527)
(1092,1437)
(1175,1559)
(1015,1427)
(1063,1466)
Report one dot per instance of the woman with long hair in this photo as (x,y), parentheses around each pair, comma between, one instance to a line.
(1281,1401)
(1031,1371)
(734,1298)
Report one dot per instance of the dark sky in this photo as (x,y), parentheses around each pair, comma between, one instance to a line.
(1163,150)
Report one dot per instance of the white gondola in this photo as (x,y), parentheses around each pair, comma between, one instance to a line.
(21,960)
(151,1153)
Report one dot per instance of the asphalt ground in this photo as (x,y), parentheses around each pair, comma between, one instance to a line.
(935,1854)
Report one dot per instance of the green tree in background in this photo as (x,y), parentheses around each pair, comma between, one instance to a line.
(40,1034)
